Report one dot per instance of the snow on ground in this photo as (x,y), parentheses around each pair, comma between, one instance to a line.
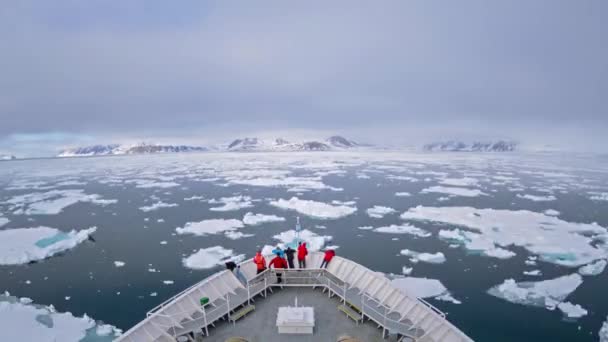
(593,269)
(402,229)
(403,194)
(212,226)
(210,257)
(379,211)
(556,241)
(23,321)
(314,242)
(157,206)
(23,245)
(431,258)
(231,203)
(466,181)
(314,209)
(252,219)
(424,288)
(475,243)
(545,293)
(537,198)
(453,191)
(51,202)
(572,310)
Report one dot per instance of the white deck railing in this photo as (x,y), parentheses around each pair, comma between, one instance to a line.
(353,283)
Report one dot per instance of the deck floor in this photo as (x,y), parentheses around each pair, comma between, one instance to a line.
(260,325)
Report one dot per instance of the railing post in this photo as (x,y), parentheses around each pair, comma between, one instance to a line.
(205,318)
(265,286)
(328,288)
(344,298)
(384,322)
(362,307)
(248,294)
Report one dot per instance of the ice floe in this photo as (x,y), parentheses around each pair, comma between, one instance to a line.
(466,181)
(210,257)
(603,333)
(545,293)
(314,242)
(211,226)
(157,206)
(533,273)
(551,212)
(475,243)
(314,209)
(150,183)
(379,211)
(23,245)
(252,219)
(431,258)
(24,321)
(119,263)
(537,198)
(402,229)
(232,235)
(593,269)
(424,288)
(52,202)
(232,203)
(599,196)
(3,221)
(403,194)
(554,240)
(571,310)
(407,270)
(453,191)
(293,183)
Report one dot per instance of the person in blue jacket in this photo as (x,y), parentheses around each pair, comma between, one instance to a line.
(278,251)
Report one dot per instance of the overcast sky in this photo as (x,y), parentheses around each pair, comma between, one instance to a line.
(80,72)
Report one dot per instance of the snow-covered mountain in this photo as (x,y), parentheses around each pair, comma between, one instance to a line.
(459,146)
(116,149)
(280,144)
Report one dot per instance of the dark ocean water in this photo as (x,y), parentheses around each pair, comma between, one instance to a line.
(121,296)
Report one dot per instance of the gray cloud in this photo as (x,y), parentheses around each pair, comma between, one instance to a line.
(151,69)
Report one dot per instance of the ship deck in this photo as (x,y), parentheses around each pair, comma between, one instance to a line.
(260,325)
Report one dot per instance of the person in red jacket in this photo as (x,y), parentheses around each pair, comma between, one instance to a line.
(302,253)
(260,262)
(278,263)
(329,254)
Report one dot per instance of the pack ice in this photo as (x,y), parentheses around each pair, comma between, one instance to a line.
(314,209)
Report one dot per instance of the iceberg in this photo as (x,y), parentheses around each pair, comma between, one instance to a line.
(232,203)
(211,226)
(424,288)
(314,209)
(402,229)
(24,245)
(24,321)
(432,258)
(252,219)
(314,242)
(210,257)
(553,240)
(378,211)
(545,293)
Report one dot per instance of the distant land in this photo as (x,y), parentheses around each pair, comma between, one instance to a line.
(459,146)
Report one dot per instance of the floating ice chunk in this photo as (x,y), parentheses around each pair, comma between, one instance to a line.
(466,181)
(365,227)
(119,263)
(314,209)
(232,235)
(533,273)
(232,203)
(603,333)
(424,288)
(210,257)
(194,198)
(407,270)
(149,183)
(545,293)
(157,206)
(537,198)
(404,178)
(403,229)
(403,194)
(454,191)
(168,282)
(212,226)
(593,269)
(3,221)
(572,310)
(475,243)
(599,196)
(378,211)
(163,242)
(300,183)
(314,242)
(23,245)
(556,241)
(551,212)
(31,322)
(432,258)
(52,202)
(255,219)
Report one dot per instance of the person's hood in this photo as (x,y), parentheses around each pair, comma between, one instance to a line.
(258,254)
